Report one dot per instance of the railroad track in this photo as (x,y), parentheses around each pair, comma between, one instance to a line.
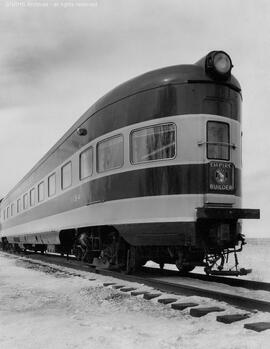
(170,282)
(147,272)
(232,281)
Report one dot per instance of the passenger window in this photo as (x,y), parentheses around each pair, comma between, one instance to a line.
(32,197)
(12,210)
(25,201)
(218,140)
(41,192)
(66,175)
(153,143)
(52,184)
(110,153)
(18,205)
(86,163)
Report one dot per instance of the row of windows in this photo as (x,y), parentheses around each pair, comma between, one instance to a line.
(147,144)
(35,195)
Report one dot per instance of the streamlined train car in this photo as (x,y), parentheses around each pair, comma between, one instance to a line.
(152,171)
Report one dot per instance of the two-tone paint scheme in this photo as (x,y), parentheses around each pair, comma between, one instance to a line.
(157,204)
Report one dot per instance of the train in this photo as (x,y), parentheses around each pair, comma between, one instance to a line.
(151,171)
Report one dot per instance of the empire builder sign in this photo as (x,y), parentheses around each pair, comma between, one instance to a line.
(221,176)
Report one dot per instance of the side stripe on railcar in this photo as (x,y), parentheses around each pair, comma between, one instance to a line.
(155,181)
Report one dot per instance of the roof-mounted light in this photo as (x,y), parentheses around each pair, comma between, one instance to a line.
(218,65)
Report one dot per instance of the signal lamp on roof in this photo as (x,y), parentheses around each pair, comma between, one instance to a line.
(218,65)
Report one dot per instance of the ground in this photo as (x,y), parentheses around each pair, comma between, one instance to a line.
(39,309)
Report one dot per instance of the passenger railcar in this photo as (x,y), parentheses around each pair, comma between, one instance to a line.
(152,171)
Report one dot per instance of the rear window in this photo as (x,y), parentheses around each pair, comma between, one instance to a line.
(218,140)
(153,143)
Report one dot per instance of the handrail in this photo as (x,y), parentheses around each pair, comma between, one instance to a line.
(232,145)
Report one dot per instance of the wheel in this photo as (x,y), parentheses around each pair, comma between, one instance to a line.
(184,268)
(134,260)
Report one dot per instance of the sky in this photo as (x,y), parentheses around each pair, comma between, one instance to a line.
(58,57)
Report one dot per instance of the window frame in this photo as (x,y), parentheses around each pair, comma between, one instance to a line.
(25,203)
(38,196)
(156,160)
(92,159)
(119,135)
(211,143)
(51,175)
(12,209)
(62,167)
(30,196)
(19,205)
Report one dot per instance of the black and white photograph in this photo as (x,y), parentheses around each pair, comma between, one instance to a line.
(135,174)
